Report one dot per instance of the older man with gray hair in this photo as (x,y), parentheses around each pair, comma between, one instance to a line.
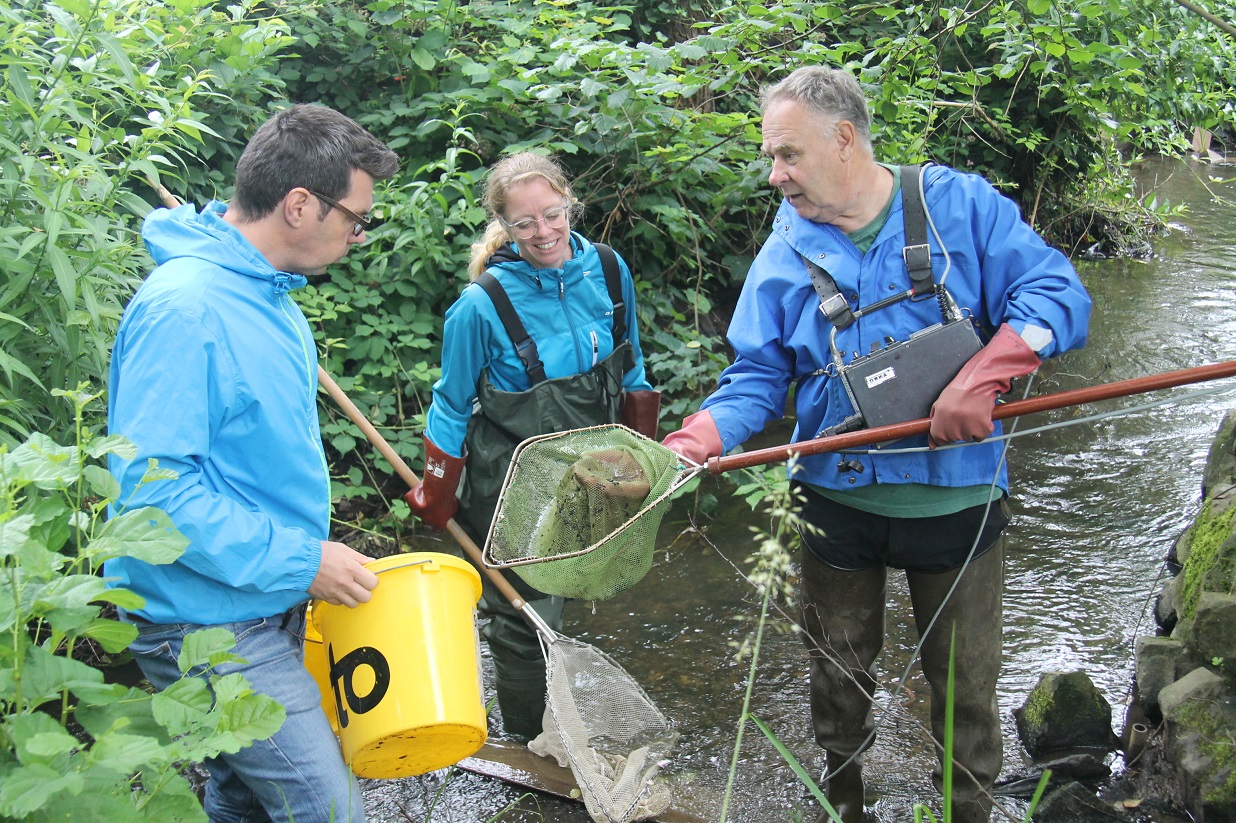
(849,257)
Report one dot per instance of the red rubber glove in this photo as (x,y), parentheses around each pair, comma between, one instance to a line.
(697,440)
(963,409)
(641,411)
(434,501)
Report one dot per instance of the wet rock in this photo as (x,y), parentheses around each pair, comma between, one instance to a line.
(1221,462)
(1065,711)
(1074,803)
(1156,659)
(1213,636)
(1200,714)
(1165,605)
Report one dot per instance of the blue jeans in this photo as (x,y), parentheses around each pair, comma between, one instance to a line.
(298,774)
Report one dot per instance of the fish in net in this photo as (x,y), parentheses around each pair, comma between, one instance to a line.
(579,510)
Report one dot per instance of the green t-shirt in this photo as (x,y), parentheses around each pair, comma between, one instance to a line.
(901,499)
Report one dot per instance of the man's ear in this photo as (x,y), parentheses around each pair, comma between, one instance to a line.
(299,207)
(847,137)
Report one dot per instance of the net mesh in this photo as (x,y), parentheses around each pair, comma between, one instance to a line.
(579,511)
(601,724)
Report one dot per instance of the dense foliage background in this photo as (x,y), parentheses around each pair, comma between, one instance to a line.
(110,108)
(651,104)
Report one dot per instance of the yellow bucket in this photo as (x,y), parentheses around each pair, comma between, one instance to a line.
(315,662)
(404,669)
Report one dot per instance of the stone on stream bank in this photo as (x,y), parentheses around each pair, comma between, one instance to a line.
(1185,675)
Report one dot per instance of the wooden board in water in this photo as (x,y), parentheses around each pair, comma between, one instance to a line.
(513,763)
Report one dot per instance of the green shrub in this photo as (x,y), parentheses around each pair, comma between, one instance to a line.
(68,738)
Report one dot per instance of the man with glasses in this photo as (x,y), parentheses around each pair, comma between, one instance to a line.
(214,377)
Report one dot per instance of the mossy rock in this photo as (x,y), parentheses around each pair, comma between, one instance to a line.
(1221,462)
(1211,563)
(1202,733)
(1065,711)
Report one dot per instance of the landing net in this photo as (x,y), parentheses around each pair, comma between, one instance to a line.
(579,511)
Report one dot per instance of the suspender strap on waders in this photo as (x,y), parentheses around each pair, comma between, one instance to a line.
(525,346)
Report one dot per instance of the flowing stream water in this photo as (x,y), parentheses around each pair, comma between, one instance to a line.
(1097,506)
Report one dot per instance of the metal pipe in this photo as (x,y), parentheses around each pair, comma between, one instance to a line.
(1046,402)
(1137,742)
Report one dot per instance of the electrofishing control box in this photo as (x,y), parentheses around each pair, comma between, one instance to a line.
(901,381)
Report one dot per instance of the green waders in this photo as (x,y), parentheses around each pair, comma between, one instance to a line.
(843,623)
(505,419)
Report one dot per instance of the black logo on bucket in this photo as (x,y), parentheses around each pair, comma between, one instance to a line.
(345,667)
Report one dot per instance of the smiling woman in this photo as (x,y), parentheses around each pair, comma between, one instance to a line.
(544,339)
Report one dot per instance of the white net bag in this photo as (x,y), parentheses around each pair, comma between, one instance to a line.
(601,724)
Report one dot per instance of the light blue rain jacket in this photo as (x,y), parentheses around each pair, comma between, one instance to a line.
(998,268)
(214,375)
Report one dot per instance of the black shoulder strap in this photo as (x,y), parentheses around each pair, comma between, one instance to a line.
(613,282)
(832,304)
(917,254)
(525,346)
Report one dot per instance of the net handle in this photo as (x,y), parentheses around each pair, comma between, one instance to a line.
(454,529)
(1046,402)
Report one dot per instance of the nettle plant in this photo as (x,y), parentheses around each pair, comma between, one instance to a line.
(73,744)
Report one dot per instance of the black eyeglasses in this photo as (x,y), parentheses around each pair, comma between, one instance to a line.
(362,223)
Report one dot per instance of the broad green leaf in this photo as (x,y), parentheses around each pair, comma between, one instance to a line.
(45,463)
(113,635)
(126,753)
(101,482)
(14,533)
(26,789)
(182,706)
(132,711)
(125,599)
(48,745)
(22,728)
(146,534)
(207,647)
(175,800)
(46,676)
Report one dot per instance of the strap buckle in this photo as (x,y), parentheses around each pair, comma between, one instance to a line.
(837,310)
(917,257)
(918,265)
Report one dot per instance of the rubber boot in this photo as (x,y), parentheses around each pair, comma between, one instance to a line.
(843,630)
(971,623)
(844,789)
(522,704)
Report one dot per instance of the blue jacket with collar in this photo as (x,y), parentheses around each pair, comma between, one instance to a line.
(567,312)
(214,375)
(997,267)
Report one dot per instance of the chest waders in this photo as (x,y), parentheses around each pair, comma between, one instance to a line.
(501,422)
(844,608)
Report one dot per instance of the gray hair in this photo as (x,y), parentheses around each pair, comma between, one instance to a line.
(833,93)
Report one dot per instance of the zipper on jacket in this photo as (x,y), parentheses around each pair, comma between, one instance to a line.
(579,351)
(596,346)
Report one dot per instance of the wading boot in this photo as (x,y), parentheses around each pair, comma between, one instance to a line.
(971,622)
(844,790)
